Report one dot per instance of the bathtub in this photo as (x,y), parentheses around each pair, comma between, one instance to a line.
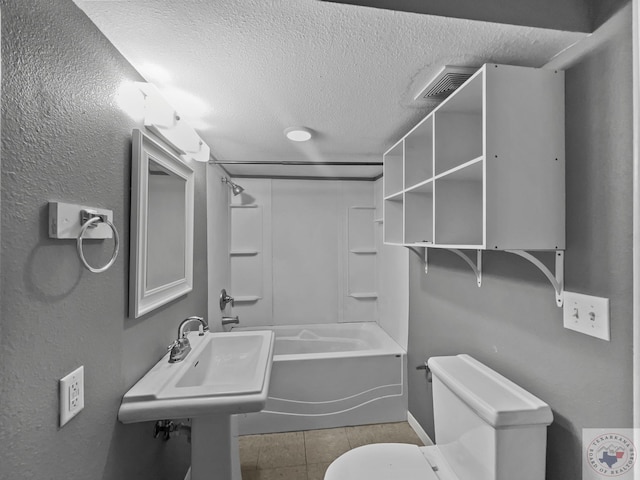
(331,375)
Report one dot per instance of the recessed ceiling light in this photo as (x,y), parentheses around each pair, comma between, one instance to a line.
(298,134)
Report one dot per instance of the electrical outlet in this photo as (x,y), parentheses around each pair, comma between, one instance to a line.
(71,395)
(586,314)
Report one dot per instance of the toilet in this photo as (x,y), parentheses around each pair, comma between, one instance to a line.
(487,428)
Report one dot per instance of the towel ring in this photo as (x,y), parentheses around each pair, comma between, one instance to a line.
(90,223)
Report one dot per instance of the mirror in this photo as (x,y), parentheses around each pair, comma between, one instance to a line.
(162,199)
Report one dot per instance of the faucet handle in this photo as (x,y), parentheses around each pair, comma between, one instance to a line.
(225,298)
(179,343)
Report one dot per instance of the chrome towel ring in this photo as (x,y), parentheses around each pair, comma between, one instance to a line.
(91,219)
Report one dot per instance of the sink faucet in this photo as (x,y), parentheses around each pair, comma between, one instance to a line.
(181,347)
(186,321)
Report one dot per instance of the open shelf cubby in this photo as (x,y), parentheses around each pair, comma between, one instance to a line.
(393,170)
(394,220)
(419,208)
(418,154)
(459,212)
(483,170)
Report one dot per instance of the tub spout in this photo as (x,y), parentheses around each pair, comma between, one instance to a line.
(230,320)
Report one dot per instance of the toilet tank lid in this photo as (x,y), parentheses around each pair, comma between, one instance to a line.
(498,400)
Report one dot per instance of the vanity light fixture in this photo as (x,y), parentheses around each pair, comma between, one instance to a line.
(163,120)
(235,188)
(298,134)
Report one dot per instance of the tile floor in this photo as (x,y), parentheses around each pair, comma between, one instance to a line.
(306,455)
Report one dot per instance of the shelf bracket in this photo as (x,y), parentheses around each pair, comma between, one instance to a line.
(557,279)
(421,252)
(476,267)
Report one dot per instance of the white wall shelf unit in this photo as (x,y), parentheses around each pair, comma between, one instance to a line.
(485,170)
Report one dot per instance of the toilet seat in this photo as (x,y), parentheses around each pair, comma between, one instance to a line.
(382,461)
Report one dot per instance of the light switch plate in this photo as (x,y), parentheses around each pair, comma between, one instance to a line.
(586,314)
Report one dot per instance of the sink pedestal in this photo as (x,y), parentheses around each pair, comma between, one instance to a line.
(214,448)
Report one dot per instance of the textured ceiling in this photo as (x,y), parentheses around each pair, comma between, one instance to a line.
(249,69)
(573,15)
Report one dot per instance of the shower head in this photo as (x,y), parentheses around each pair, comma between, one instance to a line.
(235,188)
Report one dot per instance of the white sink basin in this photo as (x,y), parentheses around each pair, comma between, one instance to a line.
(225,373)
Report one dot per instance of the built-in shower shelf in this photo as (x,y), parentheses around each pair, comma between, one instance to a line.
(361,257)
(364,295)
(246,298)
(237,205)
(243,253)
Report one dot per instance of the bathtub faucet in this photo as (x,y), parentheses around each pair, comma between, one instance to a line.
(229,320)
(225,298)
(181,347)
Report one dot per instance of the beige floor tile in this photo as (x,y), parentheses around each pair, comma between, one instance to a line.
(316,471)
(282,450)
(249,474)
(249,450)
(400,432)
(364,435)
(307,455)
(298,472)
(325,445)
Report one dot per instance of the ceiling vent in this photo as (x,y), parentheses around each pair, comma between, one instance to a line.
(445,82)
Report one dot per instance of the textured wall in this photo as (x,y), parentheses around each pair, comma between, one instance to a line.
(64,138)
(512,323)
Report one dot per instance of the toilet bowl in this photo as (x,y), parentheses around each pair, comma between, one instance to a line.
(390,461)
(487,428)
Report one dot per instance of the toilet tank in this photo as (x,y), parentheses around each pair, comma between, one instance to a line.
(487,427)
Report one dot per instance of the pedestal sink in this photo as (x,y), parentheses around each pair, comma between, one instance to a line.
(224,374)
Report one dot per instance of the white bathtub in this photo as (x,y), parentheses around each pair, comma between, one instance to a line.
(331,375)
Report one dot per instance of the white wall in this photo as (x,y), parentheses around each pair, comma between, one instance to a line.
(217,243)
(393,281)
(303,271)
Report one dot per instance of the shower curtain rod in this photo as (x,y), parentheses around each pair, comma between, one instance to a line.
(296,163)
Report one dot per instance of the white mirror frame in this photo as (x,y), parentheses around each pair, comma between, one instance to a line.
(141,299)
